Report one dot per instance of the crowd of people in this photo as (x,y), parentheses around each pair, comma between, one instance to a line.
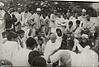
(36,39)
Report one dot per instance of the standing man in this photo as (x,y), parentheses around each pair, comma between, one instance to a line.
(83,15)
(52,23)
(37,19)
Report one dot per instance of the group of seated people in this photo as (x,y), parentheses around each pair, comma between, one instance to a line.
(58,41)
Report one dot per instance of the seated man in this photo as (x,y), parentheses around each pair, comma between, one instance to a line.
(52,45)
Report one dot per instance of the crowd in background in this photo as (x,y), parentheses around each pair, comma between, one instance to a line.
(51,39)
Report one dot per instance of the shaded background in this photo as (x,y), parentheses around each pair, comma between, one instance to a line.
(60,6)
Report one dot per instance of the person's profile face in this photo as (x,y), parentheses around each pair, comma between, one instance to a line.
(40,41)
(53,39)
(83,13)
(68,15)
(22,35)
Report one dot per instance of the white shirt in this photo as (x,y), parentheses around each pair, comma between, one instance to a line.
(82,18)
(50,48)
(63,56)
(8,50)
(25,17)
(52,22)
(37,19)
(87,58)
(21,58)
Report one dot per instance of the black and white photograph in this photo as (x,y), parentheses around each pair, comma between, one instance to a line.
(49,33)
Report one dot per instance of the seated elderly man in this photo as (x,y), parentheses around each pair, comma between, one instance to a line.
(52,45)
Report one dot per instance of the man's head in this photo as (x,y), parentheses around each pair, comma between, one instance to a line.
(68,14)
(59,32)
(31,43)
(4,34)
(78,22)
(21,33)
(84,38)
(53,38)
(11,10)
(19,10)
(83,12)
(12,36)
(40,40)
(70,23)
(35,60)
(76,15)
(38,10)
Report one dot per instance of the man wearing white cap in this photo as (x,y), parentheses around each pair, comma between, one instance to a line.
(52,24)
(37,18)
(82,17)
(25,16)
(89,23)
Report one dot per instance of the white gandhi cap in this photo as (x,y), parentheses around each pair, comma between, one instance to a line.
(38,9)
(83,10)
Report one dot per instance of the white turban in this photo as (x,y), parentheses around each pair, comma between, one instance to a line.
(1,4)
(84,36)
(83,10)
(38,9)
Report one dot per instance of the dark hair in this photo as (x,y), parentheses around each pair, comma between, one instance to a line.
(70,22)
(30,42)
(36,60)
(32,54)
(11,35)
(59,32)
(77,21)
(20,32)
(4,33)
